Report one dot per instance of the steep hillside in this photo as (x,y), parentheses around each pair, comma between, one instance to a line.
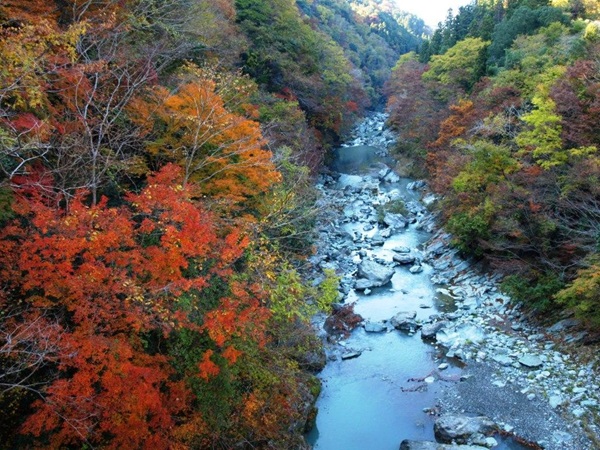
(501,110)
(156,163)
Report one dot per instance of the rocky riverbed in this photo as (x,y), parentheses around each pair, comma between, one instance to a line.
(486,358)
(524,377)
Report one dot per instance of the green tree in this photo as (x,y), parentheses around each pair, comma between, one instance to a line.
(524,20)
(543,136)
(462,65)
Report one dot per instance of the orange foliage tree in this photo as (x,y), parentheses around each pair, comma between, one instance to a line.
(443,161)
(222,152)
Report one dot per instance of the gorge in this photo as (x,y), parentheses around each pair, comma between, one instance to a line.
(439,337)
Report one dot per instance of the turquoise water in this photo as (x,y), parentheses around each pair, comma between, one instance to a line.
(371,402)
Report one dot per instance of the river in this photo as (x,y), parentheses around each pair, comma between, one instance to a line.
(390,391)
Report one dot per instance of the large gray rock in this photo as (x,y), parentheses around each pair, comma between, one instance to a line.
(460,335)
(429,331)
(374,327)
(405,321)
(376,274)
(313,361)
(531,361)
(563,325)
(450,428)
(414,185)
(395,221)
(404,258)
(407,444)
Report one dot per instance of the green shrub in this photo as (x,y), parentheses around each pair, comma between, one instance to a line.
(468,229)
(536,292)
(395,207)
(583,295)
(328,291)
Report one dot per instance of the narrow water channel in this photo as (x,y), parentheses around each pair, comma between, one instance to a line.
(386,394)
(369,402)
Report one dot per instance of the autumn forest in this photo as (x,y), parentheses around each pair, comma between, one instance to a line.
(157,200)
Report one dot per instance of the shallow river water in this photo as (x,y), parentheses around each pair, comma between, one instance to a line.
(378,399)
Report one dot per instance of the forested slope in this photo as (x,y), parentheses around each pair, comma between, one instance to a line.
(501,108)
(155,204)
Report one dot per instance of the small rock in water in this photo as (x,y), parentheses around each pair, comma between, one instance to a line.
(405,321)
(351,355)
(385,233)
(404,258)
(490,442)
(416,269)
(391,178)
(429,380)
(374,327)
(429,331)
(383,172)
(443,366)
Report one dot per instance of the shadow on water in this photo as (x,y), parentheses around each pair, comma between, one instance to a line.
(357,160)
(380,398)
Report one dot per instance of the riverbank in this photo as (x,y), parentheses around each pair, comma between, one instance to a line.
(525,377)
(520,376)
